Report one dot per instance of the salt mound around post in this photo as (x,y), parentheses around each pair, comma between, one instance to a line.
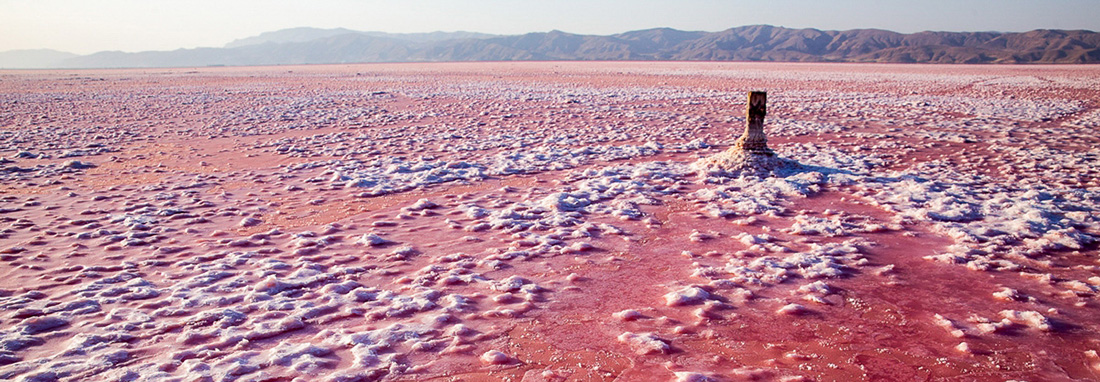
(750,155)
(736,161)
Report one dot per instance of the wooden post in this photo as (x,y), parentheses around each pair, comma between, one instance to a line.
(753,140)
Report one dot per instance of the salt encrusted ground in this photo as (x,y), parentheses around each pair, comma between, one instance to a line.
(544,222)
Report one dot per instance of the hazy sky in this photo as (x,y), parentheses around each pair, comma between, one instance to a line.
(86,26)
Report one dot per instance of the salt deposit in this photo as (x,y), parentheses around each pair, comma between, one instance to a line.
(644,343)
(562,221)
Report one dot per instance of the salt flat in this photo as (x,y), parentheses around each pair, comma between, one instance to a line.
(549,222)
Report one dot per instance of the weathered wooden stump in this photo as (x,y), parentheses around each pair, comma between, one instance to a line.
(753,140)
(750,154)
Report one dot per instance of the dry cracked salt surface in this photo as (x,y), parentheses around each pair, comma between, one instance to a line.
(548,222)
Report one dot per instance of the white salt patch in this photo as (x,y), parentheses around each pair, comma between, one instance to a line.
(645,343)
(986,326)
(422,204)
(287,354)
(511,284)
(628,315)
(750,240)
(402,253)
(1030,318)
(792,310)
(949,325)
(697,236)
(1009,294)
(577,247)
(461,330)
(816,287)
(372,239)
(495,357)
(506,298)
(686,296)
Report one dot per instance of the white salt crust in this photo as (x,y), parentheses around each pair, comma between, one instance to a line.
(211,300)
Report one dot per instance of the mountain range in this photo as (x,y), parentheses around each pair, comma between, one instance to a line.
(747,43)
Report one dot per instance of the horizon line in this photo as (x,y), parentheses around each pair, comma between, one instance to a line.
(223,46)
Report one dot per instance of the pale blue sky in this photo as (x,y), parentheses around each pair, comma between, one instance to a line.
(86,26)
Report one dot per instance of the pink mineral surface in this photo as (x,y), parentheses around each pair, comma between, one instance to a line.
(548,222)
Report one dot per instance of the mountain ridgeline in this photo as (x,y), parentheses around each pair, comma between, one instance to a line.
(748,43)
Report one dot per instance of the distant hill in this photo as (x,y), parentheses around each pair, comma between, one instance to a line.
(288,35)
(33,59)
(747,43)
(308,34)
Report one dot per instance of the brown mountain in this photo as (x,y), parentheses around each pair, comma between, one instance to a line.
(748,43)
